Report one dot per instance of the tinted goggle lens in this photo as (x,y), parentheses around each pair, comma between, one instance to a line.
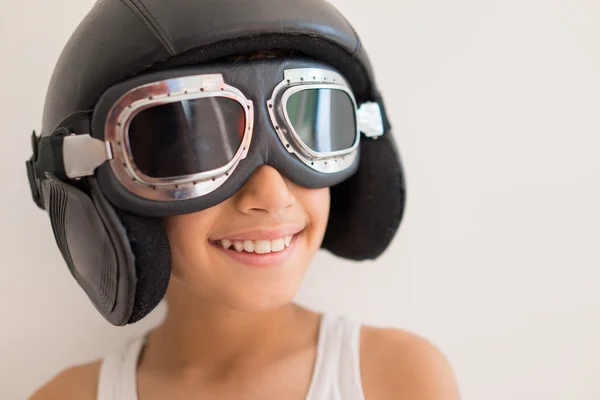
(323,119)
(186,137)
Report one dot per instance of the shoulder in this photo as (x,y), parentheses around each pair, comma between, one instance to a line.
(78,382)
(396,364)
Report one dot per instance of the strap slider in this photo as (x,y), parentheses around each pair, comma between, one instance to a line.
(82,154)
(370,120)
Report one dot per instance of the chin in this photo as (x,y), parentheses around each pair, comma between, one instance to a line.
(261,298)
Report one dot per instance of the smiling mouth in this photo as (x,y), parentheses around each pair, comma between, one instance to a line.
(256,246)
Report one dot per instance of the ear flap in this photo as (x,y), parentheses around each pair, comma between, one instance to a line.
(366,209)
(122,262)
(95,252)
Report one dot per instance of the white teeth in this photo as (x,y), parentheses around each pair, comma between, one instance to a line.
(239,246)
(258,246)
(262,246)
(277,245)
(249,246)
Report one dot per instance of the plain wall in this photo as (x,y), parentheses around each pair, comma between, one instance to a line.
(496,108)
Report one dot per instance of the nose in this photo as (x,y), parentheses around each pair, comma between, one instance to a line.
(267,191)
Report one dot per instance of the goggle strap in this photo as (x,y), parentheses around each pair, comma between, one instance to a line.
(50,157)
(70,157)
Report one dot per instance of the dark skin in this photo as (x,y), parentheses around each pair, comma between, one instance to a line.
(232,331)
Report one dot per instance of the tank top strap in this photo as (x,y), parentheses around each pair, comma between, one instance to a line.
(337,368)
(117,379)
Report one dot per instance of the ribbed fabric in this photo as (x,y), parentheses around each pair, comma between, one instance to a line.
(336,375)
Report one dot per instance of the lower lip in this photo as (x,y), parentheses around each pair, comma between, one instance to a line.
(260,260)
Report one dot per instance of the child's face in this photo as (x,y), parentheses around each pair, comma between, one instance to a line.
(265,212)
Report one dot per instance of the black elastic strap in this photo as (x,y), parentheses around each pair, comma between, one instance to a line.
(50,158)
(33,182)
(35,190)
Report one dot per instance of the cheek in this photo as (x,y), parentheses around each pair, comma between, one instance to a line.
(316,203)
(188,239)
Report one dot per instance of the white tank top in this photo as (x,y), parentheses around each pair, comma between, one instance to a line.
(336,374)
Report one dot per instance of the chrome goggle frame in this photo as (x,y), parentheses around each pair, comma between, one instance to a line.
(165,92)
(368,118)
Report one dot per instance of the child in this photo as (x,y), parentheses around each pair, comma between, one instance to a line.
(207,149)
